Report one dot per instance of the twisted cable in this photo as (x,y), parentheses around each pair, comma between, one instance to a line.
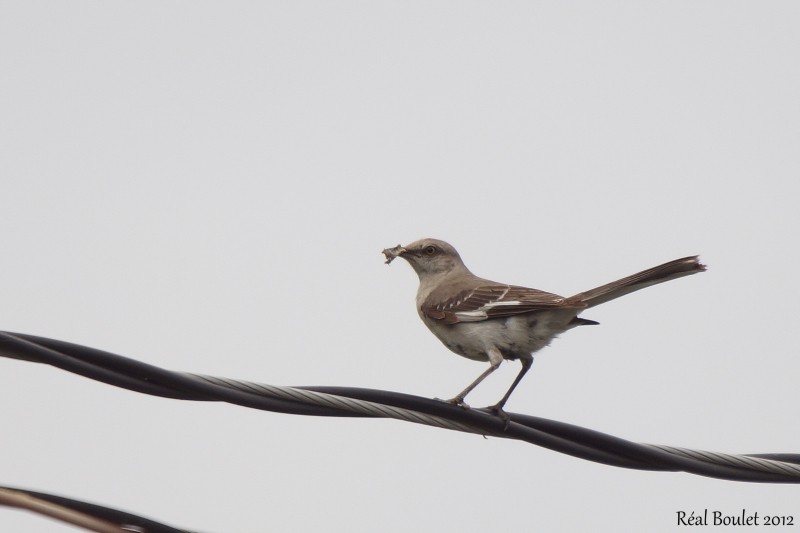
(558,436)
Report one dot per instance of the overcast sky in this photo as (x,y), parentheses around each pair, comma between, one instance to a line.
(206,186)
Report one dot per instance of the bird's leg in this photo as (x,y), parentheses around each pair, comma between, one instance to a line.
(459,398)
(498,407)
(495,358)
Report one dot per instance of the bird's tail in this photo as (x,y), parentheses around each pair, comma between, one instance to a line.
(652,276)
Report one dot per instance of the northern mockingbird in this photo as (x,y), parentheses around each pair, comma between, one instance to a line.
(488,321)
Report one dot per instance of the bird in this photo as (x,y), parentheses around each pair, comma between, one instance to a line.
(484,320)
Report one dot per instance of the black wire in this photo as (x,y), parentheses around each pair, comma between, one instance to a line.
(114,516)
(137,376)
(557,436)
(566,438)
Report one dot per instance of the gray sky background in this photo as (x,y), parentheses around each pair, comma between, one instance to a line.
(207,187)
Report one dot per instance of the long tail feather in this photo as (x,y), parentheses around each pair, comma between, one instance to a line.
(652,276)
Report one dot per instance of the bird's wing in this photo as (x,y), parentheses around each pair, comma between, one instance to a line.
(493,301)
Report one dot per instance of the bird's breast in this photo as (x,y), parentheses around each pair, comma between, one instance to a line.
(516,336)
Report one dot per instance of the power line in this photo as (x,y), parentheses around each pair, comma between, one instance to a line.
(357,402)
(86,515)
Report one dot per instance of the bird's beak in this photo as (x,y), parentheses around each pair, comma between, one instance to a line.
(392,253)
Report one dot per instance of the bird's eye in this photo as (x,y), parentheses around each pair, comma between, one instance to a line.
(430,250)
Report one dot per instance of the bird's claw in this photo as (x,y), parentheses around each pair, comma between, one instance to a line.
(501,414)
(458,402)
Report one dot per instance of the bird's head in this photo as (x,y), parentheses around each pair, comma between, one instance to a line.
(427,256)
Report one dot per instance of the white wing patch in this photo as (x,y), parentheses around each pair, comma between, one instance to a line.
(481,314)
(471,316)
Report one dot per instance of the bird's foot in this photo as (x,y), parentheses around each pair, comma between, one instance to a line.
(457,401)
(497,410)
